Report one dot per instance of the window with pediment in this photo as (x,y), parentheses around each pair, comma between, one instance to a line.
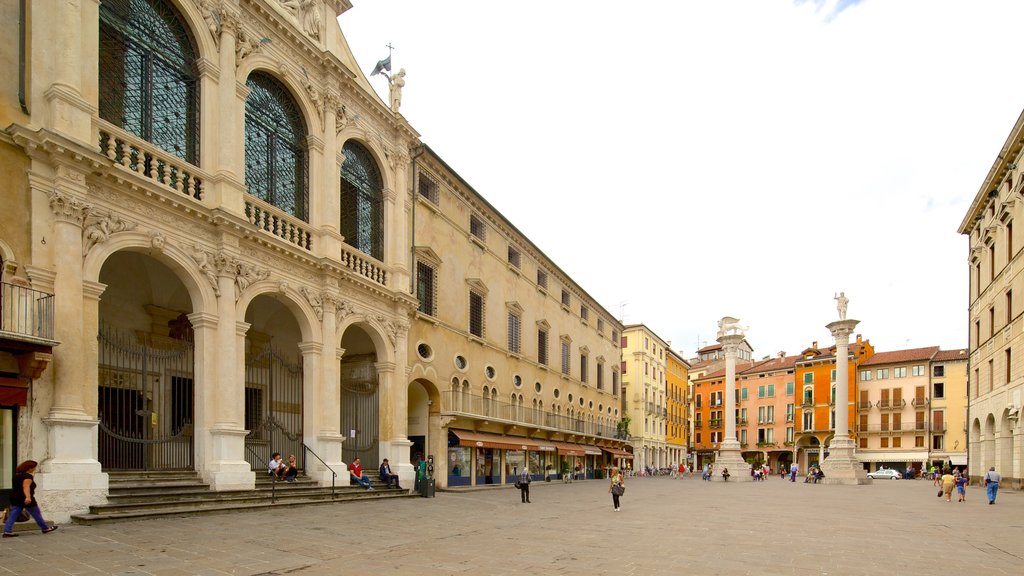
(276,162)
(148,79)
(362,201)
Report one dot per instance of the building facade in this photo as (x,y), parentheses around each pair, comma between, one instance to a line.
(209,253)
(512,364)
(996,330)
(948,405)
(767,411)
(815,380)
(678,426)
(644,394)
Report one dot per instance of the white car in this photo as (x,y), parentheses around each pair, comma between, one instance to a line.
(887,474)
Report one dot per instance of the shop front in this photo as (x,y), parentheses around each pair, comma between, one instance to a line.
(481,458)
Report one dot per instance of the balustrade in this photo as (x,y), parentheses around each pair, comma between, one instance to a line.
(147,161)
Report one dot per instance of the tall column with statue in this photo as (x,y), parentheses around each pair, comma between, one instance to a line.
(730,336)
(841,465)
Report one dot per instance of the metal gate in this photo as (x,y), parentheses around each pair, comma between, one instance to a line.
(146,400)
(273,407)
(360,411)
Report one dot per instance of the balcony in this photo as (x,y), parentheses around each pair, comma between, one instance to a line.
(26,315)
(864,405)
(456,403)
(891,404)
(741,421)
(807,402)
(716,423)
(920,402)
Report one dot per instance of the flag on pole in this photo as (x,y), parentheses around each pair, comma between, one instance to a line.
(381,66)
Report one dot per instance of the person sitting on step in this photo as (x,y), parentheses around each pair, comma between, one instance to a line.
(355,471)
(276,467)
(386,476)
(291,469)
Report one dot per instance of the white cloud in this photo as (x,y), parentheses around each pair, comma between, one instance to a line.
(772,153)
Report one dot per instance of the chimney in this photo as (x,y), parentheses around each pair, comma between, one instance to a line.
(814,344)
(858,338)
(782,353)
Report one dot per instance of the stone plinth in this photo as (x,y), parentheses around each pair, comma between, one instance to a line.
(842,466)
(730,456)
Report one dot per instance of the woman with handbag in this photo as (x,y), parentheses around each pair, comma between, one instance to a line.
(617,486)
(23,497)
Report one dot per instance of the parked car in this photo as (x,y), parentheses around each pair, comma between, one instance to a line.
(887,474)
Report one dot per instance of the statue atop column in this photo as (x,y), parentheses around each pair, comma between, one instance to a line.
(730,326)
(841,302)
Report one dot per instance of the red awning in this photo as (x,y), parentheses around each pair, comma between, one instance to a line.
(13,396)
(566,449)
(618,453)
(485,440)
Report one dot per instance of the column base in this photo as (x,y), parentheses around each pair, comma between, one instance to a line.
(842,466)
(328,448)
(731,458)
(400,464)
(225,471)
(72,479)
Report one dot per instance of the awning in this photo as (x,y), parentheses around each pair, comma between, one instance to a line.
(892,456)
(485,440)
(13,396)
(618,453)
(566,449)
(958,459)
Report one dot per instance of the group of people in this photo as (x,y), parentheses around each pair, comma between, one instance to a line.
(281,470)
(290,470)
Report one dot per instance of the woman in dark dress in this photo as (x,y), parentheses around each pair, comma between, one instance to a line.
(23,496)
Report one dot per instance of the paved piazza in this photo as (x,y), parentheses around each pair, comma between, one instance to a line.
(666,526)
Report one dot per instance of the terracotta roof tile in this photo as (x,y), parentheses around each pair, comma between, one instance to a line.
(772,365)
(950,355)
(897,356)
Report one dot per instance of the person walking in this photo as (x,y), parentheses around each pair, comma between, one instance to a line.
(524,485)
(792,472)
(961,486)
(992,480)
(948,482)
(616,487)
(23,497)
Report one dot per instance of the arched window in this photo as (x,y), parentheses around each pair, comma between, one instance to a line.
(362,215)
(148,82)
(275,146)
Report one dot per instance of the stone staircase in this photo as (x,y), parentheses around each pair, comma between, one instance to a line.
(142,495)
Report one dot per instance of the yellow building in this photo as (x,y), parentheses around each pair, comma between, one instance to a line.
(644,394)
(948,406)
(512,363)
(676,386)
(996,328)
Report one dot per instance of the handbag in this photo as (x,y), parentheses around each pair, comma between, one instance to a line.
(940,493)
(518,485)
(23,516)
(618,489)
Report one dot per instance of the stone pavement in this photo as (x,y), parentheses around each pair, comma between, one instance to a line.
(666,526)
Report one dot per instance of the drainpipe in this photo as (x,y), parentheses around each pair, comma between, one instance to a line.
(22,56)
(412,231)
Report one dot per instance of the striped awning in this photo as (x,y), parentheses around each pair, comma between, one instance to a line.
(500,441)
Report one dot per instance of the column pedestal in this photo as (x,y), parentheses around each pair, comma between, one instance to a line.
(328,447)
(730,456)
(226,471)
(842,466)
(72,479)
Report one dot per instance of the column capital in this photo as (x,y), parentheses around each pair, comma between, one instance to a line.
(340,353)
(203,320)
(841,330)
(310,348)
(385,367)
(241,328)
(68,208)
(93,290)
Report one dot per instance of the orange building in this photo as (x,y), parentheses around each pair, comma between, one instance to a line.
(815,375)
(709,412)
(766,411)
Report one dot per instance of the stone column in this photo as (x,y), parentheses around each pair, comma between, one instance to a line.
(729,454)
(399,440)
(204,328)
(842,466)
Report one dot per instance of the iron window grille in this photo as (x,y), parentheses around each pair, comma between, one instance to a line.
(513,257)
(476,227)
(476,314)
(362,222)
(542,279)
(542,347)
(514,325)
(428,188)
(565,298)
(276,162)
(426,288)
(148,79)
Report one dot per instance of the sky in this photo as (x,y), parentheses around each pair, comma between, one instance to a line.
(688,160)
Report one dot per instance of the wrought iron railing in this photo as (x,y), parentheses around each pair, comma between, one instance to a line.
(865,405)
(26,312)
(273,477)
(456,402)
(334,475)
(919,402)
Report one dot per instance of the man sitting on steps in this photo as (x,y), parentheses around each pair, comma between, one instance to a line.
(355,471)
(386,476)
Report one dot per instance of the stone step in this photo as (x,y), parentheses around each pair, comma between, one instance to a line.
(244,497)
(227,507)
